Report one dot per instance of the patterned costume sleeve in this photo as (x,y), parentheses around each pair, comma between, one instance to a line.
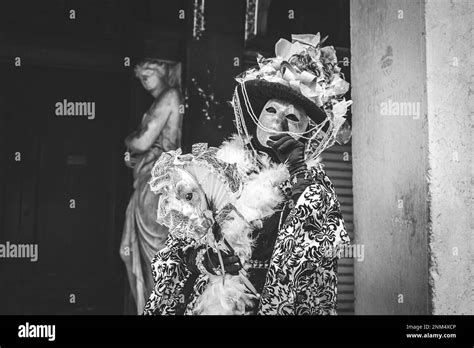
(170,274)
(302,277)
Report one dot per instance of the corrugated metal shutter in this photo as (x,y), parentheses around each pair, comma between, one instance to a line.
(338,167)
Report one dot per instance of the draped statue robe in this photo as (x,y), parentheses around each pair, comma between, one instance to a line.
(142,237)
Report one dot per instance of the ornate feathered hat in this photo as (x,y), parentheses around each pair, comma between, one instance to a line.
(305,74)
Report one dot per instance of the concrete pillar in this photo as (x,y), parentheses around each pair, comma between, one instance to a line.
(450,72)
(412,155)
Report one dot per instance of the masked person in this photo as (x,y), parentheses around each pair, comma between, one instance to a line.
(272,225)
(159,131)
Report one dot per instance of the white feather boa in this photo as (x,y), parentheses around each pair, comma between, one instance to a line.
(258,198)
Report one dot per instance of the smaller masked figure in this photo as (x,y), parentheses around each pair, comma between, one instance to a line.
(267,242)
(210,234)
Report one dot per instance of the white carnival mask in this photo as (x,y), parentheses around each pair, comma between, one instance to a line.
(183,203)
(278,117)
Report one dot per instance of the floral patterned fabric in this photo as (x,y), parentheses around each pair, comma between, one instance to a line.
(302,276)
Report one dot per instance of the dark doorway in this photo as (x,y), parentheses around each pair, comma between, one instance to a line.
(62,193)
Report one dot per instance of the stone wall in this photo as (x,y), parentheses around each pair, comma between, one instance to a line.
(412,155)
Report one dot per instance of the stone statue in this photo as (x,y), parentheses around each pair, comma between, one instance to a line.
(158,132)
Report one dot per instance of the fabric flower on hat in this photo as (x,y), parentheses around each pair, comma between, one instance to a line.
(305,67)
(338,86)
(339,109)
(328,55)
(300,43)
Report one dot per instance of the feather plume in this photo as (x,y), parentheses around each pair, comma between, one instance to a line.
(237,232)
(261,194)
(233,151)
(230,298)
(313,162)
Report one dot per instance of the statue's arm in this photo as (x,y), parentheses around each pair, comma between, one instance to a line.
(161,111)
